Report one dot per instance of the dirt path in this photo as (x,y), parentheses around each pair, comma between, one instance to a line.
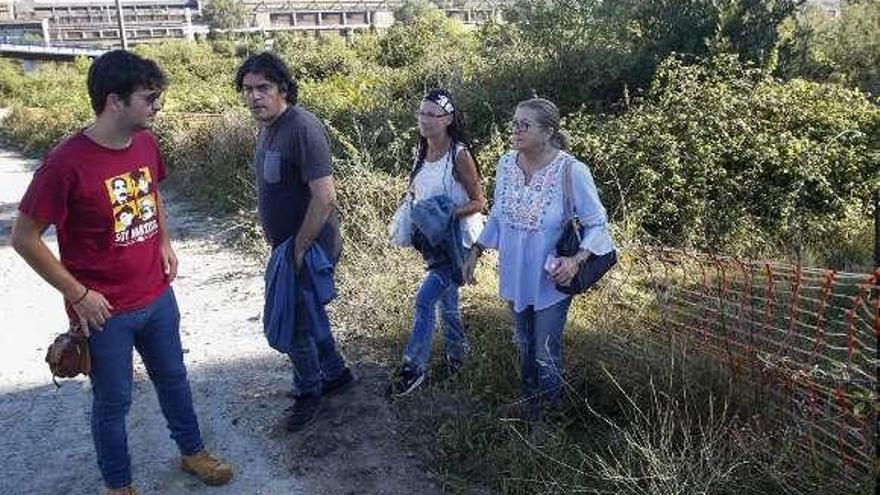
(239,387)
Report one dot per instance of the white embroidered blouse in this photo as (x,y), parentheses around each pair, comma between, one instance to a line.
(526,221)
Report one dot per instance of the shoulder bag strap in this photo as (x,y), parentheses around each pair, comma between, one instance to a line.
(567,198)
(566,190)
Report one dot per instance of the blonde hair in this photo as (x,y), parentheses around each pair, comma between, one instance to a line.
(548,116)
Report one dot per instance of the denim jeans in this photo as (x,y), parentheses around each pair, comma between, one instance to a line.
(155,332)
(314,355)
(539,341)
(438,292)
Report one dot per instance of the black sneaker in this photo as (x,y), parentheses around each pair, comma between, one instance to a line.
(339,384)
(453,365)
(302,412)
(405,381)
(523,410)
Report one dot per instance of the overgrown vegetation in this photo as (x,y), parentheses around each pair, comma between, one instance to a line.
(693,139)
(729,126)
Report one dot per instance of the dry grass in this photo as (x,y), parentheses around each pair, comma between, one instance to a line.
(645,416)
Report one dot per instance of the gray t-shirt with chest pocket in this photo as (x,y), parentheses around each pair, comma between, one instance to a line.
(289,153)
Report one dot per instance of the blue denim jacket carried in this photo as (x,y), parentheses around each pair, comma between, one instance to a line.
(313,286)
(437,234)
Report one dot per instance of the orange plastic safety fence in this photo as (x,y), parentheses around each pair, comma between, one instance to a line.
(807,337)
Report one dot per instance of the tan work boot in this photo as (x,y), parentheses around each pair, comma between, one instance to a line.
(126,490)
(209,469)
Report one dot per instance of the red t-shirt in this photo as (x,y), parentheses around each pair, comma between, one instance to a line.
(103,203)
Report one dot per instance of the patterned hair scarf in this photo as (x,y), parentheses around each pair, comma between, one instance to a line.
(442,99)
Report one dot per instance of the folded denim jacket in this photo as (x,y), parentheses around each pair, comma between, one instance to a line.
(437,234)
(314,286)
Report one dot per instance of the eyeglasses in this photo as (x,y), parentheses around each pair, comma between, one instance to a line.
(520,125)
(262,89)
(427,115)
(151,97)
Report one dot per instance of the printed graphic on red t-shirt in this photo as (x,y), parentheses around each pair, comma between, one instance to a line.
(103,203)
(134,206)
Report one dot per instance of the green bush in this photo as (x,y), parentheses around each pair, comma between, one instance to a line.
(10,79)
(722,157)
(200,78)
(212,155)
(699,150)
(318,58)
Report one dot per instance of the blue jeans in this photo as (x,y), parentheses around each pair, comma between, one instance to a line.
(154,332)
(314,355)
(438,292)
(539,341)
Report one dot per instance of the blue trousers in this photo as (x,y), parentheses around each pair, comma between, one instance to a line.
(438,292)
(154,332)
(539,341)
(314,355)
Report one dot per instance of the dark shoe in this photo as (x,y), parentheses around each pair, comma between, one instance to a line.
(453,365)
(302,412)
(405,381)
(522,410)
(339,384)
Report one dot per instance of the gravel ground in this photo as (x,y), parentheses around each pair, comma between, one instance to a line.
(239,385)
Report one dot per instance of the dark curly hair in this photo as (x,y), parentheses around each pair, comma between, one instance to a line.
(273,69)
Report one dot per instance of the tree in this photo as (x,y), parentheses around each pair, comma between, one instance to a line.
(226,14)
(424,30)
(410,10)
(843,49)
(592,52)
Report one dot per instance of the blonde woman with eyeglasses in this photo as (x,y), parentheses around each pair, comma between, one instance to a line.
(526,220)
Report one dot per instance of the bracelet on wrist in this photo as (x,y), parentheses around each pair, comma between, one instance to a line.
(80,299)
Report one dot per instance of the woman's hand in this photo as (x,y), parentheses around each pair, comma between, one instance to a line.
(565,270)
(470,266)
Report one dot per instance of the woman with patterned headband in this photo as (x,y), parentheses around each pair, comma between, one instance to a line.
(446,193)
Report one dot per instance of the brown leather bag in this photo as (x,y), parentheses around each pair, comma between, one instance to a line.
(68,356)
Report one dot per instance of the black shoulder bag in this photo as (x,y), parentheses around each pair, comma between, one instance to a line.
(591,270)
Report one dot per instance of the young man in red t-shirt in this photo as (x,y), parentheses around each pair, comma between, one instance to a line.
(99,188)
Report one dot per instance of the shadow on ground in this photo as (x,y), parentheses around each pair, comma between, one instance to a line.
(353,447)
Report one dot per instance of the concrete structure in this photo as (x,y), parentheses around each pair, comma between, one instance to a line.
(95,22)
(468,12)
(24,32)
(830,7)
(7,10)
(318,17)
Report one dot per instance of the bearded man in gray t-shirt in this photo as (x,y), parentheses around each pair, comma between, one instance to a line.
(296,200)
